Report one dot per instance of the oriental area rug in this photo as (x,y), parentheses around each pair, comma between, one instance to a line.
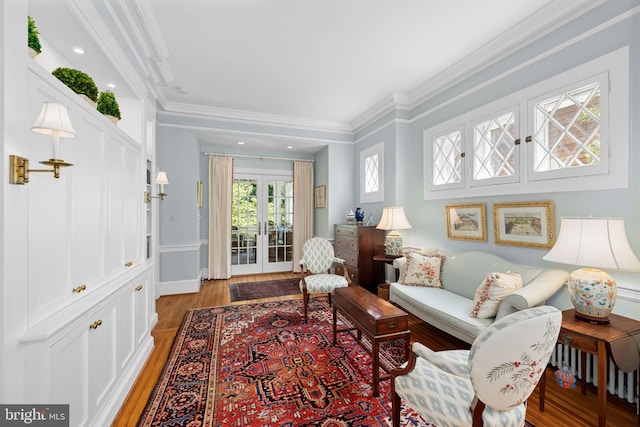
(261,365)
(265,289)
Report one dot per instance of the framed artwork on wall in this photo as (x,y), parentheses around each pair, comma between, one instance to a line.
(199,194)
(467,222)
(527,224)
(320,196)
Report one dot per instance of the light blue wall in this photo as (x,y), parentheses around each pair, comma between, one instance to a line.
(342,166)
(428,217)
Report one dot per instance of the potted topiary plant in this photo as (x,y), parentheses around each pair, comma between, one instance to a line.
(79,82)
(108,105)
(33,44)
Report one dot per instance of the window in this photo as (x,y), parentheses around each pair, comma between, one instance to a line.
(557,135)
(372,174)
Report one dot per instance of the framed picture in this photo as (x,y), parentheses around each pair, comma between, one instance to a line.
(320,196)
(527,224)
(467,222)
(199,193)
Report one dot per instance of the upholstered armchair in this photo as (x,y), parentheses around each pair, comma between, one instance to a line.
(317,259)
(486,385)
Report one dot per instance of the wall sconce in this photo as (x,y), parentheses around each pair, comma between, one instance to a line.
(54,121)
(162,180)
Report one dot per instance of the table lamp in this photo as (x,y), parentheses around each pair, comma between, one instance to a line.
(595,243)
(393,219)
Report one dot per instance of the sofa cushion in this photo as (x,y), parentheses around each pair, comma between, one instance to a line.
(493,289)
(441,308)
(423,270)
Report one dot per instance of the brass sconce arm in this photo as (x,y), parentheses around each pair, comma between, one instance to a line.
(148,196)
(19,168)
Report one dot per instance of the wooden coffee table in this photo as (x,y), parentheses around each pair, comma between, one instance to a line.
(376,318)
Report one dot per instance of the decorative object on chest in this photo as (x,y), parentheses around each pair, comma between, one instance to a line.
(357,245)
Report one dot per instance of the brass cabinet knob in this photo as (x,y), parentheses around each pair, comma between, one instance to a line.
(128,264)
(138,288)
(95,324)
(79,289)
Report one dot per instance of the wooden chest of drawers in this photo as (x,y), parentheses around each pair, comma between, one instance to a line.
(357,245)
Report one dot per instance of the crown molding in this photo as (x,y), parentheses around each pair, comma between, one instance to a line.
(391,102)
(251,117)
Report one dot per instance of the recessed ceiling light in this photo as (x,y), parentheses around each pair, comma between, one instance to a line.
(289,147)
(111,85)
(78,50)
(240,142)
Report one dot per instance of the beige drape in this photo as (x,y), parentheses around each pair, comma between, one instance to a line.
(302,208)
(220,195)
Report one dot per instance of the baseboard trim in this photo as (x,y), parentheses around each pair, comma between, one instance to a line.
(179,287)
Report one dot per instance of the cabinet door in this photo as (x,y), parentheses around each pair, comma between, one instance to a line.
(143,309)
(103,371)
(114,155)
(69,374)
(133,200)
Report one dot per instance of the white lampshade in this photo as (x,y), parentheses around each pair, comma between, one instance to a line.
(54,120)
(593,242)
(162,178)
(393,218)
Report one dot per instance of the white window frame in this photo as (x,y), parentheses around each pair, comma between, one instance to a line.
(372,196)
(611,173)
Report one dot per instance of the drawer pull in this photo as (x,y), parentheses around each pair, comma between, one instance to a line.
(392,325)
(95,324)
(79,289)
(138,288)
(128,264)
(567,338)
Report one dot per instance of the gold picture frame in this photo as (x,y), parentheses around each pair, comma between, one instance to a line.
(467,221)
(199,194)
(320,196)
(526,224)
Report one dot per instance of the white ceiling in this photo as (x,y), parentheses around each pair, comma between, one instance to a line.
(288,61)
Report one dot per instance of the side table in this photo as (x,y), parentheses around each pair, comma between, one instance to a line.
(387,259)
(614,339)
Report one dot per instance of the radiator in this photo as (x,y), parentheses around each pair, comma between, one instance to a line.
(621,384)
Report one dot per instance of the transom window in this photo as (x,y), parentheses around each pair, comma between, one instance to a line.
(552,136)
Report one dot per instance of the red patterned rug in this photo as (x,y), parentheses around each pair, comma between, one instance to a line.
(260,365)
(266,289)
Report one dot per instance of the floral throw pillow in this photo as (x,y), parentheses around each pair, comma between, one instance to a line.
(422,270)
(493,289)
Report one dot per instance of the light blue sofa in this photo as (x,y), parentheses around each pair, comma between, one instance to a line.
(448,309)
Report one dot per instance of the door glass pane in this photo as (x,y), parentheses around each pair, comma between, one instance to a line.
(244,222)
(280,221)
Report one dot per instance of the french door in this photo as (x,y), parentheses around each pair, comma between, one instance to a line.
(261,223)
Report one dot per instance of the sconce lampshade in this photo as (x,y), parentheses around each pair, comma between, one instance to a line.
(594,243)
(54,120)
(393,218)
(162,178)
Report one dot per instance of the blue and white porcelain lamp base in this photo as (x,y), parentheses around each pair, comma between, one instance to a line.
(593,294)
(393,244)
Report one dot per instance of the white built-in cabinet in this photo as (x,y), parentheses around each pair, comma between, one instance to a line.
(90,306)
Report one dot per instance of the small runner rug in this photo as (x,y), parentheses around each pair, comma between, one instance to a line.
(267,289)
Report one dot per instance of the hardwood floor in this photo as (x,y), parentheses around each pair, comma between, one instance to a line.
(562,407)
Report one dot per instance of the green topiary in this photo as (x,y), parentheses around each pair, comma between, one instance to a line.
(77,81)
(107,104)
(34,40)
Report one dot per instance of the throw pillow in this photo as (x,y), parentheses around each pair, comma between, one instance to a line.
(494,288)
(421,270)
